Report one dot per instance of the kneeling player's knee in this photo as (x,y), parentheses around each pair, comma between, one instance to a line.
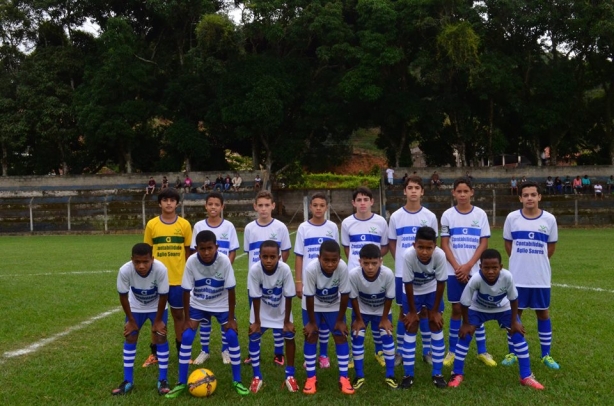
(132,338)
(339,339)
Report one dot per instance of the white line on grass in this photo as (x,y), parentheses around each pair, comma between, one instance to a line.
(56,273)
(41,343)
(564,285)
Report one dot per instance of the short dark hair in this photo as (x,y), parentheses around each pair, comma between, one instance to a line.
(330,246)
(269,244)
(142,248)
(414,179)
(319,195)
(363,190)
(529,183)
(206,236)
(370,251)
(490,253)
(426,233)
(169,193)
(215,195)
(462,180)
(264,194)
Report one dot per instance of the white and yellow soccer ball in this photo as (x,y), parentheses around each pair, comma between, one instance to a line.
(202,383)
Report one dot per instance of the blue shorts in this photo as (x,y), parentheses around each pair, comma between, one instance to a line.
(398,290)
(477,318)
(372,319)
(205,317)
(175,297)
(455,289)
(427,300)
(328,319)
(533,298)
(288,335)
(141,318)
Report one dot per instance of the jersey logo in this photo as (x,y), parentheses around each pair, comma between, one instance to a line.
(475,223)
(273,236)
(224,236)
(329,234)
(335,282)
(414,229)
(218,275)
(422,223)
(373,230)
(543,229)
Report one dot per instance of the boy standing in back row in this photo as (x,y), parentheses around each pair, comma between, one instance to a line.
(530,236)
(170,236)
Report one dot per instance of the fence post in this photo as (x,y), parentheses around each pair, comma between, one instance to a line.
(305,207)
(328,194)
(68,219)
(382,199)
(31,216)
(143,209)
(494,207)
(575,212)
(106,219)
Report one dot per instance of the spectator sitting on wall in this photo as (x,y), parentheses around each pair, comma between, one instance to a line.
(610,183)
(404,178)
(558,185)
(206,185)
(257,182)
(468,176)
(598,190)
(549,185)
(236,182)
(187,184)
(513,186)
(164,183)
(586,184)
(577,185)
(151,186)
(227,183)
(178,183)
(435,181)
(567,185)
(523,179)
(219,183)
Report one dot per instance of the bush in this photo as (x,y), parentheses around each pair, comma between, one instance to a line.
(333,181)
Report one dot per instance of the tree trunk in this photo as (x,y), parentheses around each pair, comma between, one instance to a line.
(399,150)
(128,160)
(491,125)
(255,153)
(5,160)
(188,165)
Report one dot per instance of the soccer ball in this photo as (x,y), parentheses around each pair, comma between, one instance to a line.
(202,383)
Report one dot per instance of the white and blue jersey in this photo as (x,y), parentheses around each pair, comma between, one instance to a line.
(373,294)
(143,291)
(480,296)
(225,234)
(529,262)
(465,231)
(424,276)
(325,289)
(356,233)
(309,237)
(272,290)
(402,230)
(208,283)
(255,234)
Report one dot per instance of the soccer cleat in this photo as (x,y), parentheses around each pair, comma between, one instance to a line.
(448,361)
(487,359)
(428,358)
(256,385)
(247,360)
(398,359)
(358,382)
(455,380)
(379,356)
(439,382)
(176,391)
(123,388)
(509,360)
(240,388)
(163,387)
(407,382)
(550,362)
(392,383)
(291,384)
(310,386)
(531,382)
(202,357)
(324,362)
(226,357)
(345,386)
(151,360)
(279,360)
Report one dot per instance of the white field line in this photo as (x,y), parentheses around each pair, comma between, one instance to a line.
(57,273)
(41,343)
(564,285)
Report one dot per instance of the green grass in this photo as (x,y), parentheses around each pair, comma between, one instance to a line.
(43,295)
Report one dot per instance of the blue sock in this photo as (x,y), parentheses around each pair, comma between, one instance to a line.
(377,340)
(358,352)
(510,344)
(129,355)
(310,358)
(343,357)
(439,349)
(323,339)
(425,332)
(544,329)
(205,336)
(401,336)
(453,335)
(254,354)
(388,344)
(235,354)
(279,342)
(224,341)
(462,346)
(522,352)
(184,354)
(163,351)
(409,354)
(289,371)
(480,339)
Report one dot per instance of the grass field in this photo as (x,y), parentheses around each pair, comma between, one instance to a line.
(61,335)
